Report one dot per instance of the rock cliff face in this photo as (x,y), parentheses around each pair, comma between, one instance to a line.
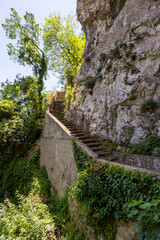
(121,70)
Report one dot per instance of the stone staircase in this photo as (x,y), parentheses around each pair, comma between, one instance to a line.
(96,145)
(132,161)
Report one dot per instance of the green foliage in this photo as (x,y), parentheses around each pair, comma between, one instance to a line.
(11,131)
(90,81)
(147,217)
(11,128)
(123,45)
(145,148)
(31,212)
(133,57)
(69,97)
(19,126)
(28,217)
(63,45)
(27,49)
(149,105)
(7,109)
(103,190)
(128,53)
(114,53)
(20,173)
(109,145)
(29,220)
(108,65)
(81,159)
(132,97)
(134,71)
(108,27)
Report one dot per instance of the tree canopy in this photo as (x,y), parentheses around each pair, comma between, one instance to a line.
(23,102)
(63,46)
(27,50)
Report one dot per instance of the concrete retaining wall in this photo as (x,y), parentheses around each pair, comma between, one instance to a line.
(57,155)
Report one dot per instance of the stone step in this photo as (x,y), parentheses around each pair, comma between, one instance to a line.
(72,129)
(101,154)
(84,137)
(63,120)
(97,149)
(78,134)
(91,143)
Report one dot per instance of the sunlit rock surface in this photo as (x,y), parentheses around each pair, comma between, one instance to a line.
(121,69)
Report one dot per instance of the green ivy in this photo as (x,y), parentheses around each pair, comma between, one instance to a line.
(80,157)
(147,218)
(145,148)
(104,190)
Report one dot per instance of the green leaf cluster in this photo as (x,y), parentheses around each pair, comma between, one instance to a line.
(29,211)
(81,159)
(26,50)
(148,106)
(145,148)
(19,111)
(63,45)
(104,190)
(147,217)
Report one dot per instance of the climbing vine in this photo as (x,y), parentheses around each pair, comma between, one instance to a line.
(104,191)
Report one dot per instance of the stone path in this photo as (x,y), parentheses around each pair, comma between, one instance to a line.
(149,163)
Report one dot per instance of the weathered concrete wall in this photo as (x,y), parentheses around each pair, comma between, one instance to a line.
(57,155)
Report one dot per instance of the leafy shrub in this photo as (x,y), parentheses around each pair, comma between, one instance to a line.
(7,108)
(90,81)
(20,173)
(132,97)
(145,148)
(114,53)
(80,157)
(148,106)
(147,217)
(109,145)
(30,219)
(31,212)
(103,190)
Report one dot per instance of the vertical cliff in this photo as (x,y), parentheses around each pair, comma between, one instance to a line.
(118,93)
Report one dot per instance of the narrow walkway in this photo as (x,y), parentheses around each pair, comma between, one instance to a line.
(140,162)
(95,145)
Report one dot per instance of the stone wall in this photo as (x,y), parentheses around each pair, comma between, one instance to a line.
(121,69)
(149,163)
(57,155)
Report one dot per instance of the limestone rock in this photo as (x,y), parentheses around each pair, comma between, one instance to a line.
(121,55)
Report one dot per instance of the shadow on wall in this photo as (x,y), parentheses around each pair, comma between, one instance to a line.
(116,7)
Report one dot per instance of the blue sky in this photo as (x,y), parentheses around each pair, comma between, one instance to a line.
(40,9)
